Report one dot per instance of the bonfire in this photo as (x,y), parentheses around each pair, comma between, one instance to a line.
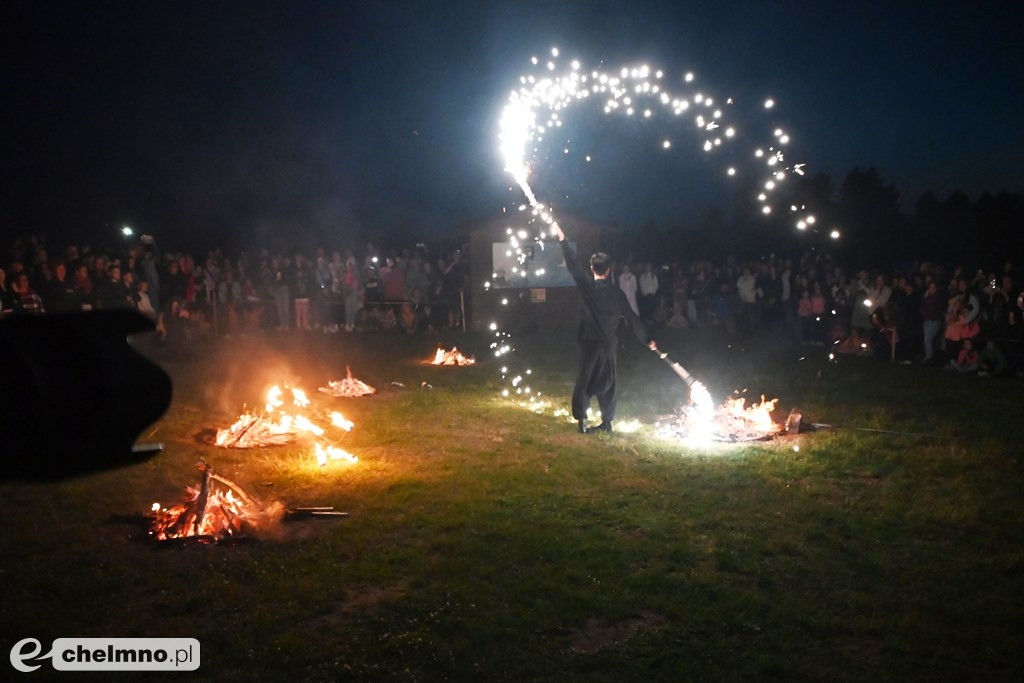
(452,357)
(349,387)
(219,510)
(216,510)
(275,427)
(702,422)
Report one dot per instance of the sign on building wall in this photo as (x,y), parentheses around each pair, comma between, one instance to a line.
(543,267)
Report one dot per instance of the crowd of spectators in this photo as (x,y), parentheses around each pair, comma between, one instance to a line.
(969,323)
(915,313)
(407,289)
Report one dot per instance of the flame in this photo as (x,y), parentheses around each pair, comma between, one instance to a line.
(275,427)
(452,357)
(701,423)
(211,512)
(348,387)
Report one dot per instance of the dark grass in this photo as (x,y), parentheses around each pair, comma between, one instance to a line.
(486,542)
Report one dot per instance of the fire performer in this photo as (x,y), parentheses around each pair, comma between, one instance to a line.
(602,305)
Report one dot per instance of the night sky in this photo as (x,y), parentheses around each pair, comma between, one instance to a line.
(255,120)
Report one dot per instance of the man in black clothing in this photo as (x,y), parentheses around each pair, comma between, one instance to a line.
(602,305)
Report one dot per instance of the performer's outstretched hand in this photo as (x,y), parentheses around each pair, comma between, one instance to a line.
(652,346)
(557,233)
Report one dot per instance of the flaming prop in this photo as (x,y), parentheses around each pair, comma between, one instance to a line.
(349,387)
(452,357)
(701,423)
(216,510)
(274,427)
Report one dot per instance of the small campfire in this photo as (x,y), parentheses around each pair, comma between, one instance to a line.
(275,427)
(350,387)
(733,421)
(216,510)
(452,357)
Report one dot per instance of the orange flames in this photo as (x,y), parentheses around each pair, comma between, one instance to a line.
(452,357)
(214,511)
(274,427)
(348,387)
(735,422)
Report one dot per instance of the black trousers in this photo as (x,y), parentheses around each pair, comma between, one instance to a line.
(595,377)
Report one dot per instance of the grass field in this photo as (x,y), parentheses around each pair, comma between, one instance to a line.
(489,543)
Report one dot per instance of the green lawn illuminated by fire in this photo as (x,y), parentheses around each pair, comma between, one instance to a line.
(486,542)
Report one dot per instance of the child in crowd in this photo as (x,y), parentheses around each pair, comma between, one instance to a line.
(967,359)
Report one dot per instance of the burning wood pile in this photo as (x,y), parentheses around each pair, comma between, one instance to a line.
(733,421)
(216,510)
(219,510)
(275,427)
(349,387)
(452,357)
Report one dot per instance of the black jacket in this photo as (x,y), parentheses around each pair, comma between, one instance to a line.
(602,305)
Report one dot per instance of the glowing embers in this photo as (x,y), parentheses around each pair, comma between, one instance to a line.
(452,357)
(733,421)
(278,425)
(216,510)
(349,387)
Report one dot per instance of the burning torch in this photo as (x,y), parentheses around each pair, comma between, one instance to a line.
(676,367)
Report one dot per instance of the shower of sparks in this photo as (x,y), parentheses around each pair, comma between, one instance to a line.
(537,109)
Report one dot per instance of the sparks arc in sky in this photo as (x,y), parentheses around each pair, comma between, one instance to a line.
(536,110)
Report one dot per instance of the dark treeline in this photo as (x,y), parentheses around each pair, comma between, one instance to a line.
(867,212)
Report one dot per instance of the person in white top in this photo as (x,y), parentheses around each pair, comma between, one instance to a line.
(648,291)
(627,283)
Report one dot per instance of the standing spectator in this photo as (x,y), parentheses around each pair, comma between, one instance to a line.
(392,280)
(628,285)
(648,292)
(805,313)
(301,285)
(371,289)
(414,276)
(907,317)
(229,302)
(746,292)
(818,304)
(933,311)
(322,293)
(351,288)
(282,294)
(453,279)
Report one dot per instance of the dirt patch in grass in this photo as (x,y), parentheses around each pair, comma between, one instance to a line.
(598,634)
(362,600)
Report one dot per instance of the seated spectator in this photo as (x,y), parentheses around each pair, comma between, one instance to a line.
(967,359)
(144,305)
(26,301)
(677,319)
(6,295)
(408,319)
(992,362)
